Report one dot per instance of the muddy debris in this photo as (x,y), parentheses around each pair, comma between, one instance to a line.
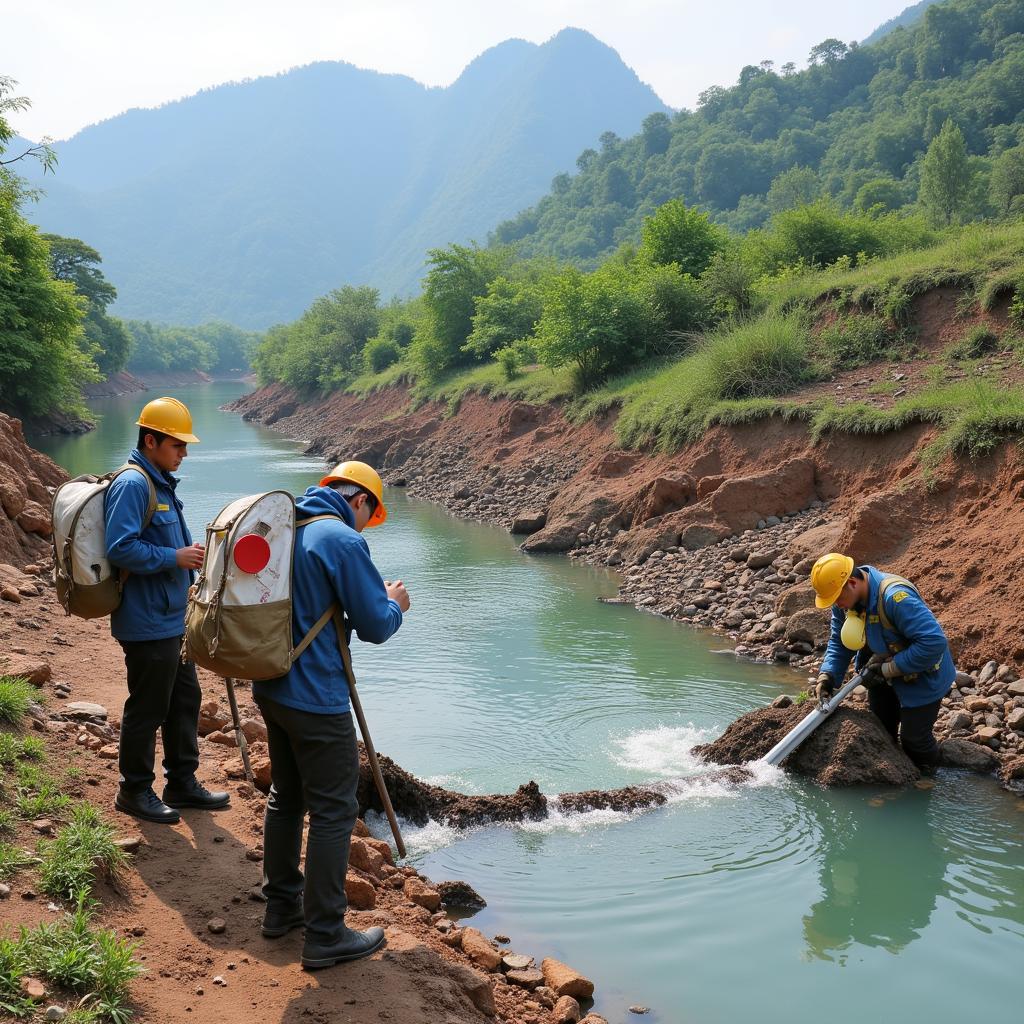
(849,748)
(460,895)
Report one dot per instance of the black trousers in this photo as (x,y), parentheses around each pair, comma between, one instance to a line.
(163,694)
(911,727)
(314,766)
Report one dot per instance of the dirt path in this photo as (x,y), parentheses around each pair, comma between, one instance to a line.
(206,866)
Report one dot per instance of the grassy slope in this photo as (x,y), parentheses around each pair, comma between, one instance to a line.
(744,372)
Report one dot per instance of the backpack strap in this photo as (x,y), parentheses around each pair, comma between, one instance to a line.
(314,631)
(332,609)
(889,581)
(151,508)
(317,519)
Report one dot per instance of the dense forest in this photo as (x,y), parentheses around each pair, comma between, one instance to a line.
(853,127)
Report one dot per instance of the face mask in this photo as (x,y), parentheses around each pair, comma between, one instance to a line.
(854,631)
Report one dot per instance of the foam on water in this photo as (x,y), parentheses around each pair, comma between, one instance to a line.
(665,751)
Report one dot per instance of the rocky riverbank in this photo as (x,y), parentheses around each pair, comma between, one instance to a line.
(721,535)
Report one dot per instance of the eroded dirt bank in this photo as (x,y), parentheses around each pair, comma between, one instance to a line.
(723,533)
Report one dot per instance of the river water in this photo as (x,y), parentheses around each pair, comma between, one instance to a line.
(773,901)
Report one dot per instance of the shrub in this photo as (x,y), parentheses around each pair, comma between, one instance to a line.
(855,339)
(380,353)
(508,359)
(977,342)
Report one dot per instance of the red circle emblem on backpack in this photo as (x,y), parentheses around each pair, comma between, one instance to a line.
(252,553)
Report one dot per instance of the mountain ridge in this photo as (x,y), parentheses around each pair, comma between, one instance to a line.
(248,200)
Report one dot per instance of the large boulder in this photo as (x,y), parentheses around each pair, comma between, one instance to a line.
(564,981)
(956,753)
(810,624)
(35,670)
(529,521)
(662,495)
(742,501)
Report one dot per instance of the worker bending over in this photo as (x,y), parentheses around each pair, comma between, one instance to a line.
(901,651)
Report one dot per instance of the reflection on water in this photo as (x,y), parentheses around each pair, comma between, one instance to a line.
(774,900)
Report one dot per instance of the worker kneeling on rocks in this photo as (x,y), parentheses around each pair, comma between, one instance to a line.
(314,761)
(901,651)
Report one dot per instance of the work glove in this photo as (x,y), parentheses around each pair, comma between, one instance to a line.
(825,687)
(873,673)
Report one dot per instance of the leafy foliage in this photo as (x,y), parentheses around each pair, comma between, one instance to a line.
(213,348)
(854,127)
(104,337)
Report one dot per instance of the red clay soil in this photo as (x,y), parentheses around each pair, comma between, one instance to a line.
(956,534)
(206,867)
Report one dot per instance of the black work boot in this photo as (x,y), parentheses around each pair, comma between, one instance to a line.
(280,922)
(353,945)
(147,806)
(193,794)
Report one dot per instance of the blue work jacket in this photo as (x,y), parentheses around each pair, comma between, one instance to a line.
(155,593)
(331,564)
(924,650)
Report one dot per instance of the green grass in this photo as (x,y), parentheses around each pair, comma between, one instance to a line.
(82,849)
(973,417)
(13,748)
(969,258)
(8,821)
(728,378)
(857,339)
(12,859)
(978,341)
(534,384)
(368,383)
(94,963)
(15,697)
(42,800)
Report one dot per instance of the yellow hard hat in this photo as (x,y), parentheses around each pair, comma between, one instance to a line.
(170,417)
(829,576)
(362,475)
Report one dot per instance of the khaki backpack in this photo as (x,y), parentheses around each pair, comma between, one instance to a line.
(238,623)
(87,584)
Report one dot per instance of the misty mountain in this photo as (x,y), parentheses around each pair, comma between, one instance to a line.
(247,201)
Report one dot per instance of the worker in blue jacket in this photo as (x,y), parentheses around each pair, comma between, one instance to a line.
(314,760)
(153,549)
(902,653)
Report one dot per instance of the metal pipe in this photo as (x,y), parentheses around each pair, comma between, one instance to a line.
(807,725)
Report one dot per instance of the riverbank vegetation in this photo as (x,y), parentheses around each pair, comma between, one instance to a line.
(56,331)
(700,307)
(91,966)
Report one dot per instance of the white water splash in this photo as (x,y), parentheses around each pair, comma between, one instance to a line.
(664,751)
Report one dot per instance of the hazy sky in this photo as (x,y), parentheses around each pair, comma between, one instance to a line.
(80,61)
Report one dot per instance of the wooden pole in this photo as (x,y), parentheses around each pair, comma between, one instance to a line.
(240,739)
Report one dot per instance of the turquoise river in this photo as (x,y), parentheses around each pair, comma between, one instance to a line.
(772,902)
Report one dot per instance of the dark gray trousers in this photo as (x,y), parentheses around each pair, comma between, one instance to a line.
(912,727)
(314,767)
(164,694)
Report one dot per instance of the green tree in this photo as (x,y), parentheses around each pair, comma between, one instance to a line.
(880,195)
(508,312)
(796,187)
(104,337)
(946,176)
(1006,187)
(458,276)
(678,234)
(42,368)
